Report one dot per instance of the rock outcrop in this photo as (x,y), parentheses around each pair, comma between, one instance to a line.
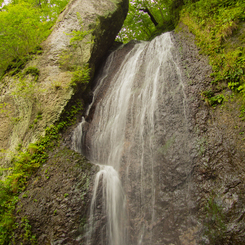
(53,209)
(199,163)
(217,176)
(29,104)
(56,203)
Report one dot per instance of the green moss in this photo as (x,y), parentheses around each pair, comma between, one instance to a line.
(24,165)
(34,71)
(219,30)
(215,228)
(18,64)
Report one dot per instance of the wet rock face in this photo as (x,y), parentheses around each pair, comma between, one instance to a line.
(53,91)
(155,161)
(192,190)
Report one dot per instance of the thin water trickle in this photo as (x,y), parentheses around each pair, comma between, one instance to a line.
(138,114)
(113,206)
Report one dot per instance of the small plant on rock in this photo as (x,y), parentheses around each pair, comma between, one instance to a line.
(32,71)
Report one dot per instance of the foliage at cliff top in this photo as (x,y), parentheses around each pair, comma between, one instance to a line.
(24,24)
(147,18)
(218,26)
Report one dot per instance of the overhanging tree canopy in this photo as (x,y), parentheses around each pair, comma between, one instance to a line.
(147,17)
(24,24)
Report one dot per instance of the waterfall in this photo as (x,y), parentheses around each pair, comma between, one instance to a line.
(136,131)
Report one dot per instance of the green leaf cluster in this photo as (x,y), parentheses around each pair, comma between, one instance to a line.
(211,98)
(24,24)
(217,24)
(139,25)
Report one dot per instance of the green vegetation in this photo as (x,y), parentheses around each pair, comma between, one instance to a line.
(17,64)
(27,236)
(212,99)
(219,29)
(24,24)
(218,26)
(24,165)
(215,223)
(77,41)
(35,121)
(3,109)
(148,18)
(80,77)
(28,160)
(78,36)
(32,71)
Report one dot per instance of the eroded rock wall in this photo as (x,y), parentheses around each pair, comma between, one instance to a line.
(217,153)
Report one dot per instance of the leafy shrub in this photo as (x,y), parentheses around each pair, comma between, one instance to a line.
(24,24)
(16,65)
(213,22)
(80,77)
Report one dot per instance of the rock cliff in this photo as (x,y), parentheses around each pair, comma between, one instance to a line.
(198,166)
(217,175)
(201,199)
(33,102)
(53,208)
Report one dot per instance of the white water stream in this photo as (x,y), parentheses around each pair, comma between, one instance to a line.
(125,126)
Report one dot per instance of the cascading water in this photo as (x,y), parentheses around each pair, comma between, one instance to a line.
(137,132)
